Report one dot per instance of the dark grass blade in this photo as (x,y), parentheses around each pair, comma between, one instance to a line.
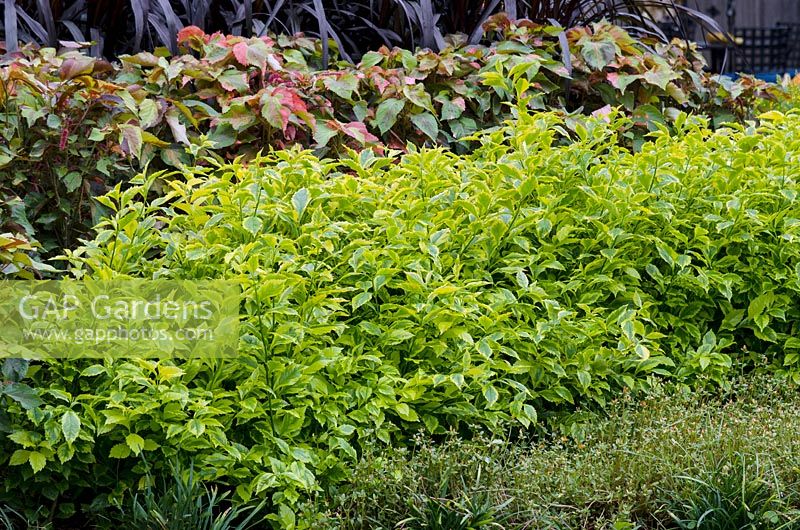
(410,17)
(511,8)
(241,20)
(160,27)
(427,23)
(97,48)
(10,25)
(319,11)
(389,37)
(247,29)
(46,16)
(73,18)
(74,31)
(274,9)
(477,32)
(173,23)
(37,31)
(141,12)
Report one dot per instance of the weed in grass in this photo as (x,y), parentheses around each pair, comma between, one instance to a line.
(470,510)
(735,495)
(186,504)
(11,519)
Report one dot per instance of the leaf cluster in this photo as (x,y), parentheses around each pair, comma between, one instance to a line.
(549,269)
(71,125)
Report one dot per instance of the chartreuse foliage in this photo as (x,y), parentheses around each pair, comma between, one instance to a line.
(551,267)
(16,259)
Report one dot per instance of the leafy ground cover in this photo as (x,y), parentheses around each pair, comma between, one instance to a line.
(71,125)
(670,459)
(549,269)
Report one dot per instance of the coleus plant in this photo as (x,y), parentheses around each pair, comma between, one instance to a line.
(72,124)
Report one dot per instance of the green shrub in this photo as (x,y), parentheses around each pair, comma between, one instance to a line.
(549,268)
(18,258)
(71,124)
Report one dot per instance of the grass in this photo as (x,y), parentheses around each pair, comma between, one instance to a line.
(673,459)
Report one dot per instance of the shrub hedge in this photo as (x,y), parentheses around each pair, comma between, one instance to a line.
(71,124)
(551,267)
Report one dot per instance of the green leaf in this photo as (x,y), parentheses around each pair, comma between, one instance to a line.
(70,426)
(386,114)
(300,200)
(195,427)
(286,517)
(396,336)
(130,140)
(371,59)
(405,412)
(174,430)
(491,395)
(15,369)
(361,299)
(452,109)
(172,117)
(275,112)
(343,84)
(72,181)
(598,54)
(660,76)
(239,117)
(222,136)
(120,451)
(148,113)
(135,443)
(760,304)
(93,370)
(253,224)
(65,453)
(19,457)
(426,123)
(621,81)
(27,397)
(323,133)
(530,412)
(37,461)
(233,80)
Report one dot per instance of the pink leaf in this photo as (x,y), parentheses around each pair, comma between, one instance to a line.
(358,131)
(603,113)
(240,52)
(188,32)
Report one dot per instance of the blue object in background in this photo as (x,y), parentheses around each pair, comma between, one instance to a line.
(767,76)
